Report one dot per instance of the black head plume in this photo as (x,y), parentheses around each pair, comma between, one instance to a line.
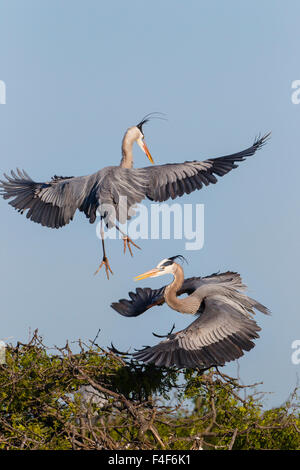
(182,258)
(140,124)
(173,258)
(147,119)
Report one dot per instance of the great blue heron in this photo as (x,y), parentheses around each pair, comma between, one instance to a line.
(222,330)
(114,190)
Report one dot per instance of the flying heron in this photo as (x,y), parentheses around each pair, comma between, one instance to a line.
(222,330)
(115,190)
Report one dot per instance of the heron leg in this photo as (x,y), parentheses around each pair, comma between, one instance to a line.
(104,261)
(127,240)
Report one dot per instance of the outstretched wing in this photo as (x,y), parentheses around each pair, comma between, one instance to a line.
(51,204)
(220,334)
(112,190)
(144,298)
(141,300)
(173,180)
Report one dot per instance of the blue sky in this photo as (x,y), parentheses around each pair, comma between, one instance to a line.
(78,73)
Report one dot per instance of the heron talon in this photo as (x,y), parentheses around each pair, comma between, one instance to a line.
(106,265)
(127,241)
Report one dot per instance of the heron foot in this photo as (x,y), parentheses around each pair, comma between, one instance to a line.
(127,241)
(104,263)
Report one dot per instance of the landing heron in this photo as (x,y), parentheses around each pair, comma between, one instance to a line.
(115,190)
(223,327)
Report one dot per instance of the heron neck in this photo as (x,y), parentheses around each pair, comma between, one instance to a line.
(172,289)
(186,305)
(127,155)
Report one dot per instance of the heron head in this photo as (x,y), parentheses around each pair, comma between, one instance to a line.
(166,266)
(141,138)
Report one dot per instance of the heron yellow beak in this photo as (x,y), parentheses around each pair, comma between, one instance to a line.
(152,273)
(146,150)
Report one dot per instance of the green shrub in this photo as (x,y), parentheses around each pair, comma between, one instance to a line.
(44,405)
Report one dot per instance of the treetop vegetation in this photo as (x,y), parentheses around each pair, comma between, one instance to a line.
(55,399)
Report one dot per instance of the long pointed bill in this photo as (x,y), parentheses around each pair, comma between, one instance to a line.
(146,150)
(152,273)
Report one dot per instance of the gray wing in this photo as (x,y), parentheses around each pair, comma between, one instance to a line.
(54,203)
(141,300)
(220,334)
(50,204)
(145,298)
(114,191)
(173,180)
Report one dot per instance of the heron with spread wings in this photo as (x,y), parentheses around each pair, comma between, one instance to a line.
(115,190)
(223,327)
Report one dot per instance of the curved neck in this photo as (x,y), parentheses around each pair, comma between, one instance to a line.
(188,304)
(127,156)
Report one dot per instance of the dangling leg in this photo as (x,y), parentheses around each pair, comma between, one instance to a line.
(127,240)
(104,259)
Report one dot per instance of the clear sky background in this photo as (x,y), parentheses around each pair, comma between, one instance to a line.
(78,73)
